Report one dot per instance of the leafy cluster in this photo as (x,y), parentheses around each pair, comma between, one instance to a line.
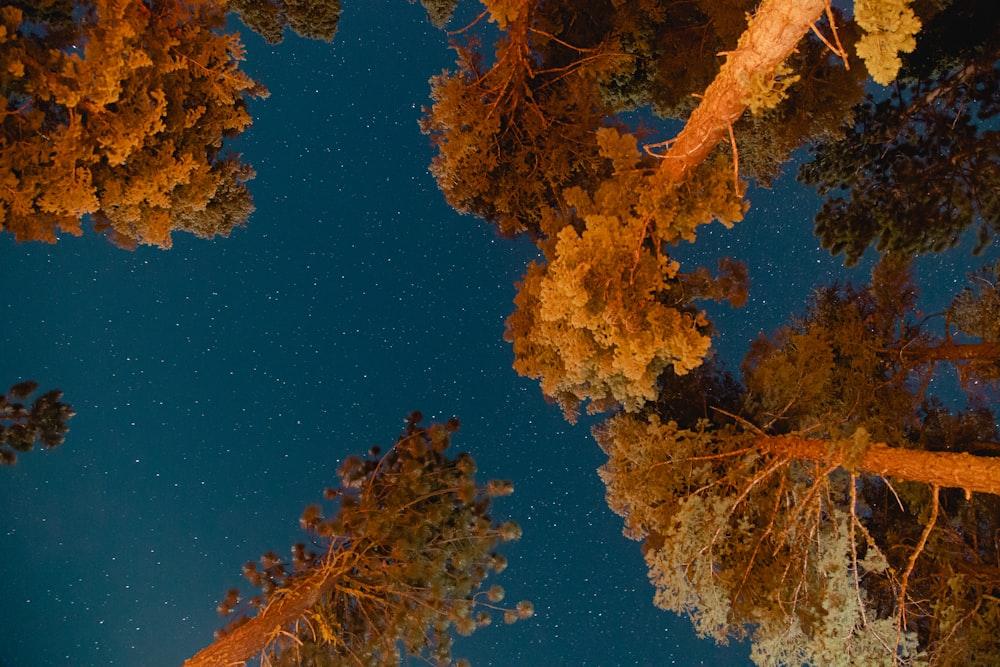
(512,135)
(397,566)
(314,19)
(21,426)
(813,556)
(916,168)
(609,312)
(118,110)
(889,28)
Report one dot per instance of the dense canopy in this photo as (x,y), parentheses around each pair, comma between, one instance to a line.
(837,504)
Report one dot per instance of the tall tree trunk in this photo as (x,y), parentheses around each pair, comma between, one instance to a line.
(773,32)
(979,474)
(948,351)
(249,639)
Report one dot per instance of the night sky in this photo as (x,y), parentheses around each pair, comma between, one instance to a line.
(219,385)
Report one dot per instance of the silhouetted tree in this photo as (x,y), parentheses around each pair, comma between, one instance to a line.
(22,426)
(398,565)
(918,166)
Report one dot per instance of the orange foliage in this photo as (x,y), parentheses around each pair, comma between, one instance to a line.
(127,128)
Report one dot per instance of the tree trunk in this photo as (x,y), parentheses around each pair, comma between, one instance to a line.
(948,351)
(980,474)
(773,32)
(248,640)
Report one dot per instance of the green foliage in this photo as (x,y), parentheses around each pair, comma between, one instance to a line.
(405,556)
(22,427)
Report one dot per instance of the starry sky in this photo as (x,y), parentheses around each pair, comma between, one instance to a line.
(219,385)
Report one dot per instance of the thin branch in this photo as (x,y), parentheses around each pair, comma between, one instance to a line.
(901,619)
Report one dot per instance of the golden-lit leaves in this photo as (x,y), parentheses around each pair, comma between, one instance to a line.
(403,559)
(129,129)
(608,314)
(814,544)
(889,28)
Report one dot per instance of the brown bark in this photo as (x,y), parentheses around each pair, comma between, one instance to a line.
(980,474)
(771,36)
(948,351)
(251,638)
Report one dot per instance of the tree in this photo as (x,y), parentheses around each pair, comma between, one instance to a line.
(122,118)
(399,564)
(439,12)
(917,167)
(609,311)
(22,427)
(512,136)
(837,514)
(313,19)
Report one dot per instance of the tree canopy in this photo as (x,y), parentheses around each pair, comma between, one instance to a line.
(918,166)
(313,19)
(397,566)
(23,426)
(532,142)
(836,512)
(118,110)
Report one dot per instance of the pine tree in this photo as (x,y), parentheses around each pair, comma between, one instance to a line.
(122,118)
(826,513)
(917,167)
(398,566)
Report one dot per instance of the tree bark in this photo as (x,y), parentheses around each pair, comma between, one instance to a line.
(772,34)
(980,474)
(948,351)
(250,639)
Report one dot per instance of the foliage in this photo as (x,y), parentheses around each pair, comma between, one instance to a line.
(813,109)
(439,12)
(609,311)
(513,135)
(122,118)
(889,28)
(916,168)
(21,427)
(819,560)
(975,312)
(676,49)
(976,309)
(400,563)
(313,19)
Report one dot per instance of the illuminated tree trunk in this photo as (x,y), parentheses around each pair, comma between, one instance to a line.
(948,351)
(251,638)
(773,32)
(979,474)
